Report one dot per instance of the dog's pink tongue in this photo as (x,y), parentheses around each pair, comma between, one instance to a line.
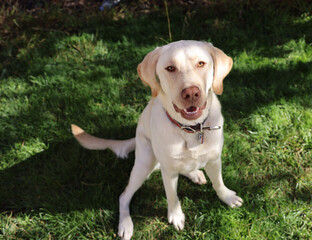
(191,109)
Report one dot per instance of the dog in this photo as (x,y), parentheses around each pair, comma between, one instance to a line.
(180,129)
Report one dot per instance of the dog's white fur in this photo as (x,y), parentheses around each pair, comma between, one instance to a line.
(159,144)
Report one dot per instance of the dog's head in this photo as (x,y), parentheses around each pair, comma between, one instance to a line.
(182,73)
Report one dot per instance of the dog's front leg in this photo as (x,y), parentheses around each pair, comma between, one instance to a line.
(143,167)
(138,175)
(214,172)
(175,214)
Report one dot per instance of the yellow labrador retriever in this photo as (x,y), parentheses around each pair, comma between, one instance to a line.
(180,130)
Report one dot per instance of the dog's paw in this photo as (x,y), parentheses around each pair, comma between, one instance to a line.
(177,218)
(230,198)
(125,228)
(197,177)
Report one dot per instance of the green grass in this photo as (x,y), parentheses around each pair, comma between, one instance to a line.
(58,68)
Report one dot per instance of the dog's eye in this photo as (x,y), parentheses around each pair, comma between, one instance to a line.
(201,64)
(170,68)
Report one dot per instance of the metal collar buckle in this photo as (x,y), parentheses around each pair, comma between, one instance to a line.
(188,129)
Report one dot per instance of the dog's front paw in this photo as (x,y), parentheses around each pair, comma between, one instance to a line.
(125,228)
(230,198)
(177,218)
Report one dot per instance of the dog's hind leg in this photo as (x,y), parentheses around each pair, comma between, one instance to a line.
(144,165)
(197,176)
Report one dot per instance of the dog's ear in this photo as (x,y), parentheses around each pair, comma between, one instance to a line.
(222,65)
(147,71)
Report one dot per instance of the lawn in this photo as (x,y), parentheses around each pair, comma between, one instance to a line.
(62,64)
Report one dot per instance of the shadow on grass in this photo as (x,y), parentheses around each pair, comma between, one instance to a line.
(64,178)
(244,92)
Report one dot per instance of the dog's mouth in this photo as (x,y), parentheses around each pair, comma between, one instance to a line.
(190,113)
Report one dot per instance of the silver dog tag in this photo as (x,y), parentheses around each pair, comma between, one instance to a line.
(200,137)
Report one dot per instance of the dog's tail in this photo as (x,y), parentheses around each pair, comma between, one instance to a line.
(120,147)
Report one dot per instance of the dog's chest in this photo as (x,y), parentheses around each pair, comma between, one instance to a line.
(183,152)
(192,155)
(189,154)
